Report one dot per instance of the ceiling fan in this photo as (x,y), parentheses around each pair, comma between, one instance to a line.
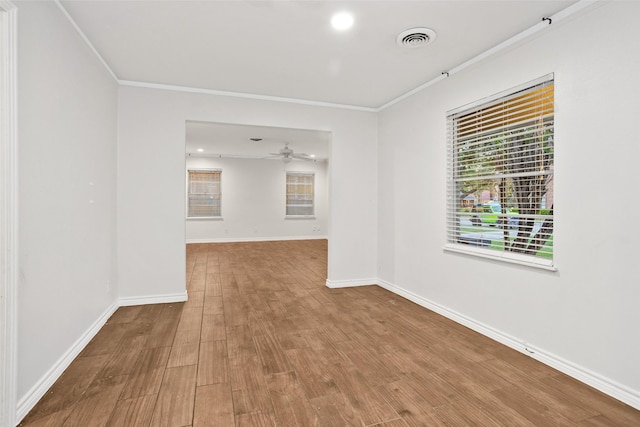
(287,154)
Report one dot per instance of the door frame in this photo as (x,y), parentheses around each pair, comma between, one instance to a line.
(8,213)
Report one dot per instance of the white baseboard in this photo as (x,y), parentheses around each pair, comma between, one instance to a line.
(607,386)
(455,316)
(334,284)
(153,299)
(40,388)
(612,388)
(254,239)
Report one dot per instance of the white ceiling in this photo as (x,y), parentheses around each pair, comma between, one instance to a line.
(230,140)
(288,49)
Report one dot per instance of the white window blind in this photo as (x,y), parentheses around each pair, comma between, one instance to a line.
(500,176)
(300,194)
(204,199)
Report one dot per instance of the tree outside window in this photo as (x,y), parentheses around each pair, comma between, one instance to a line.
(501,173)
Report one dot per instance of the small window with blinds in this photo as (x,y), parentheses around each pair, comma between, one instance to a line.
(204,196)
(300,194)
(500,176)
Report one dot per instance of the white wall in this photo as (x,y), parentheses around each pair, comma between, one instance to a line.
(67,192)
(253,201)
(584,317)
(151,207)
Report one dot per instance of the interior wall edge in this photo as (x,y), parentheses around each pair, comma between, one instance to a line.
(350,283)
(9,268)
(31,398)
(84,37)
(610,387)
(153,299)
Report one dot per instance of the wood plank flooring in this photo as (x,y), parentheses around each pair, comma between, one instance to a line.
(263,342)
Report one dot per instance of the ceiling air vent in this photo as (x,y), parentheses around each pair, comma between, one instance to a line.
(416,37)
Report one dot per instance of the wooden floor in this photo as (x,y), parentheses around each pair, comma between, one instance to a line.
(263,342)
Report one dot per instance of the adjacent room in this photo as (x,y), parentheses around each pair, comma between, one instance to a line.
(376,213)
(274,182)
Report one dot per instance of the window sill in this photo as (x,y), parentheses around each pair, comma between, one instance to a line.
(206,218)
(508,257)
(300,217)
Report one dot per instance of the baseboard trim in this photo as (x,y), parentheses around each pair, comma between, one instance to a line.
(607,386)
(612,388)
(254,239)
(36,392)
(335,284)
(455,316)
(40,388)
(153,299)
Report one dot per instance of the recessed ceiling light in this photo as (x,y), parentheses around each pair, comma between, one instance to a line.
(342,21)
(200,150)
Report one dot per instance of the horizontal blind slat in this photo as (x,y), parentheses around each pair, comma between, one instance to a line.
(500,173)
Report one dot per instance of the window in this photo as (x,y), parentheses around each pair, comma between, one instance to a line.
(500,176)
(300,194)
(204,199)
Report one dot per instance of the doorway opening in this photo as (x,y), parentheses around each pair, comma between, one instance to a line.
(242,183)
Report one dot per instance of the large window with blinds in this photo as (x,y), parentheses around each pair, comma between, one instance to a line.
(500,176)
(204,196)
(300,194)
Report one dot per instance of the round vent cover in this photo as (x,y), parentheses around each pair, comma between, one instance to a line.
(416,37)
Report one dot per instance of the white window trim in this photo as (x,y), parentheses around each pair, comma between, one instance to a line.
(205,218)
(509,257)
(499,256)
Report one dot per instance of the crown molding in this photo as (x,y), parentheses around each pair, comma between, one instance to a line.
(524,35)
(86,39)
(570,11)
(254,96)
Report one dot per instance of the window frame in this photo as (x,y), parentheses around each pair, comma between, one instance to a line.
(212,171)
(453,190)
(313,195)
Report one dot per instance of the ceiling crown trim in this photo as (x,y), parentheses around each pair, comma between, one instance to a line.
(86,40)
(545,22)
(526,34)
(245,95)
